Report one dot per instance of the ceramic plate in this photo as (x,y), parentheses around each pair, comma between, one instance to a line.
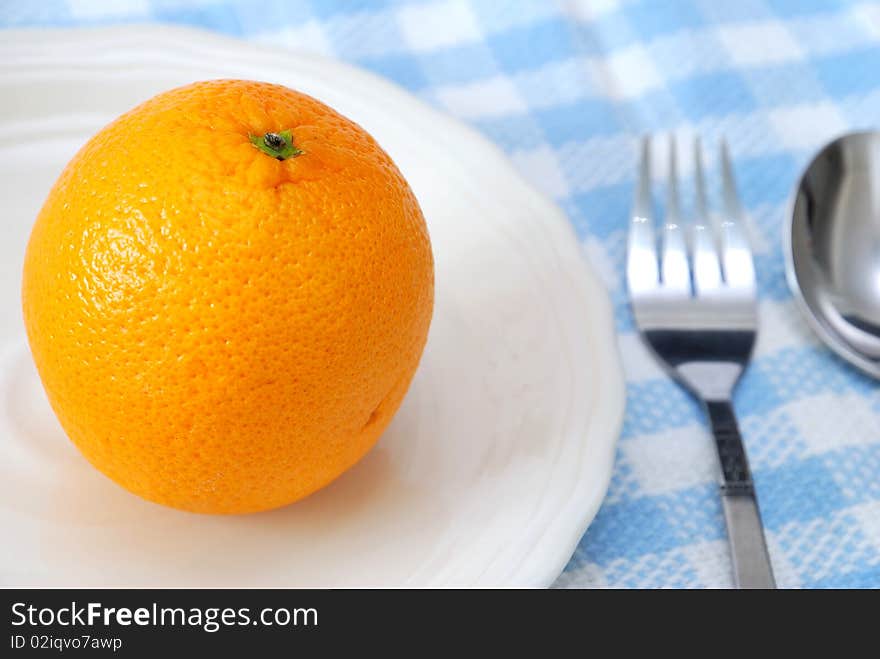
(501,453)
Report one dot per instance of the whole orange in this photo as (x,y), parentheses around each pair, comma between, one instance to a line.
(226,294)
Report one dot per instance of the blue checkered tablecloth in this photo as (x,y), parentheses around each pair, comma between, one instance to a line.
(564,88)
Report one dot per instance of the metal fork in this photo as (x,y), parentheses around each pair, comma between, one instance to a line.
(695,308)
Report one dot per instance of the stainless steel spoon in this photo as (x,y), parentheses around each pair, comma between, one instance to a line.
(833,247)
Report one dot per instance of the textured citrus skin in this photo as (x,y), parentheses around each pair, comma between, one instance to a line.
(217,330)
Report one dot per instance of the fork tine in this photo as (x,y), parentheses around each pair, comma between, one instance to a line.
(643,206)
(641,263)
(674,270)
(736,254)
(732,207)
(707,267)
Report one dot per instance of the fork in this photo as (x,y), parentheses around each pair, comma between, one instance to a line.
(695,308)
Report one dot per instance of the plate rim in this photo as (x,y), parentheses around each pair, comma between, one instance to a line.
(605,422)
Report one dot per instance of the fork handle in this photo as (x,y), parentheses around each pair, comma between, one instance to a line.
(745,532)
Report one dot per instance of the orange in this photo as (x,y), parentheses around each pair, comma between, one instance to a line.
(226,294)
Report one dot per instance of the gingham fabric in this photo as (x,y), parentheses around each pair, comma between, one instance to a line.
(565,88)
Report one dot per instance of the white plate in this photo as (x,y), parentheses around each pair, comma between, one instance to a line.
(502,451)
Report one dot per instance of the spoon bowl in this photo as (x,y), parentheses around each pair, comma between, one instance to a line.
(833,247)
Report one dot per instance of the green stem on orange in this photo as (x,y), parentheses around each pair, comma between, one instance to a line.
(278,145)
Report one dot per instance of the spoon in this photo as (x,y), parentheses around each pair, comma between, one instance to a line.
(833,247)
